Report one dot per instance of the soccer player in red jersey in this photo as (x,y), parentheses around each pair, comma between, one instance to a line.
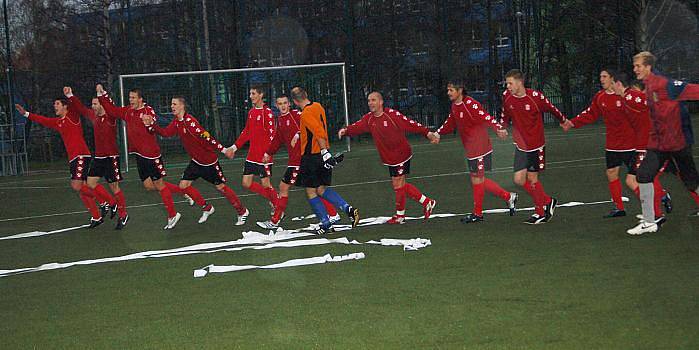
(670,137)
(472,121)
(202,147)
(143,144)
(388,127)
(69,127)
(106,161)
(259,130)
(524,108)
(287,133)
(622,140)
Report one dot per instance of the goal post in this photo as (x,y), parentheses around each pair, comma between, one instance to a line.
(219,98)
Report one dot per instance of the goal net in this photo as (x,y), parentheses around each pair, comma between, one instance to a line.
(219,99)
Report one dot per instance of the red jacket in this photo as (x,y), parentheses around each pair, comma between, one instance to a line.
(71,131)
(471,120)
(527,116)
(104,127)
(287,128)
(620,132)
(664,99)
(636,108)
(198,143)
(141,141)
(259,130)
(388,132)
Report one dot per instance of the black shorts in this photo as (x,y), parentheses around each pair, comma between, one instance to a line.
(257,169)
(615,159)
(79,167)
(107,168)
(533,161)
(210,173)
(153,169)
(682,160)
(478,166)
(400,169)
(312,173)
(291,175)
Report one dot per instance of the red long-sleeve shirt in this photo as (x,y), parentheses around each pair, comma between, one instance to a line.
(198,143)
(259,130)
(141,141)
(104,127)
(526,114)
(636,109)
(471,121)
(71,131)
(664,98)
(388,132)
(608,105)
(287,129)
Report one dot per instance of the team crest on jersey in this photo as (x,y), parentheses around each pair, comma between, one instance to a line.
(288,123)
(527,107)
(618,103)
(258,117)
(461,114)
(385,123)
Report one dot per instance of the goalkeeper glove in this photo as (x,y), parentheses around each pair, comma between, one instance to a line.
(328,160)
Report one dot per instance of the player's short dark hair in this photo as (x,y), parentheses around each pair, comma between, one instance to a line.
(260,90)
(62,100)
(181,99)
(375,92)
(298,93)
(137,92)
(456,84)
(516,74)
(623,78)
(611,71)
(282,96)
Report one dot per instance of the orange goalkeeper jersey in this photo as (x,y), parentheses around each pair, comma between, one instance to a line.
(313,126)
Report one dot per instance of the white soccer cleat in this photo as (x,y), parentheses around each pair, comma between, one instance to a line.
(643,227)
(205,215)
(189,200)
(171,222)
(268,225)
(512,203)
(334,219)
(428,208)
(242,218)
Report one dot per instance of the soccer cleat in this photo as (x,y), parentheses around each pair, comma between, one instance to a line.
(206,213)
(535,219)
(512,203)
(429,207)
(667,202)
(469,218)
(189,200)
(694,214)
(269,225)
(113,211)
(643,227)
(324,230)
(171,222)
(660,220)
(353,214)
(121,223)
(96,222)
(550,208)
(396,220)
(242,218)
(615,213)
(334,219)
(104,209)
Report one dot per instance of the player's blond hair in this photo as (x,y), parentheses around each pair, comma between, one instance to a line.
(647,58)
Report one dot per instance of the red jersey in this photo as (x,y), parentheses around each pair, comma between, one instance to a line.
(259,130)
(526,114)
(471,120)
(104,127)
(636,109)
(388,132)
(196,140)
(71,131)
(287,129)
(141,141)
(664,100)
(621,136)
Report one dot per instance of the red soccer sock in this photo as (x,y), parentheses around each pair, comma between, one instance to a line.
(478,194)
(695,196)
(414,193)
(658,187)
(494,188)
(88,198)
(195,195)
(615,190)
(233,199)
(280,208)
(329,207)
(539,188)
(401,198)
(529,188)
(173,188)
(637,192)
(121,202)
(166,195)
(272,195)
(103,196)
(262,191)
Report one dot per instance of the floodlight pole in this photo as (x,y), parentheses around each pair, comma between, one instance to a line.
(10,99)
